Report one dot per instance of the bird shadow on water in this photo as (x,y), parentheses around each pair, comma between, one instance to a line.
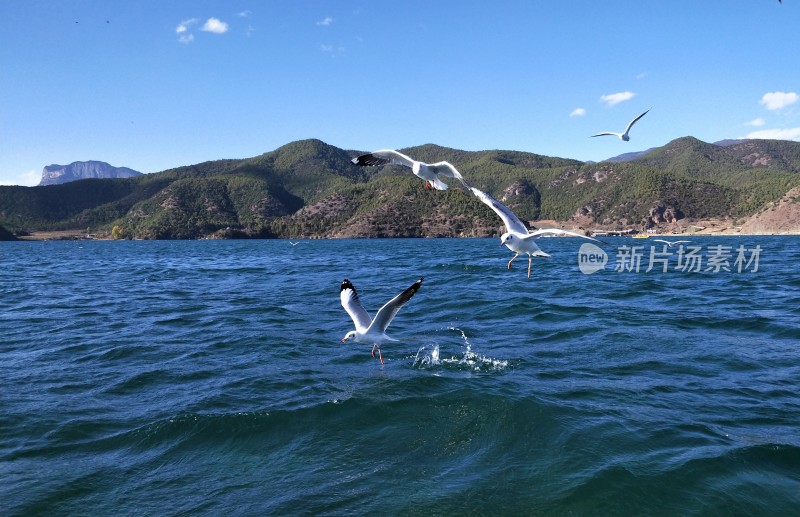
(430,357)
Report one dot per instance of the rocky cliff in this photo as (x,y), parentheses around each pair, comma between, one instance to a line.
(779,217)
(57,174)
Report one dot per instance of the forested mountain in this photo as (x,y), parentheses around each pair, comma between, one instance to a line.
(311,189)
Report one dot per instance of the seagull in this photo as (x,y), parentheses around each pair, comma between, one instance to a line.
(517,237)
(369,330)
(669,244)
(429,172)
(294,243)
(624,136)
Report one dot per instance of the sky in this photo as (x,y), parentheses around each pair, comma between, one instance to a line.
(153,84)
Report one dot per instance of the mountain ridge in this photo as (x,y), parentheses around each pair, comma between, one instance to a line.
(309,188)
(59,174)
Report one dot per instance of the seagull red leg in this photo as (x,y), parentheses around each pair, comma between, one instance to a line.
(373,350)
(530,258)
(512,260)
(380,355)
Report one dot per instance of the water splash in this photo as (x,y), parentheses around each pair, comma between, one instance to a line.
(429,356)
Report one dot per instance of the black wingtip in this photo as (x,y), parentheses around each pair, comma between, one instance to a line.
(368,160)
(417,284)
(346,284)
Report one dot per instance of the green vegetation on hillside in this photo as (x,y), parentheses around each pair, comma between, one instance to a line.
(311,189)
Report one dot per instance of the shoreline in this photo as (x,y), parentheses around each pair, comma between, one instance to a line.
(72,235)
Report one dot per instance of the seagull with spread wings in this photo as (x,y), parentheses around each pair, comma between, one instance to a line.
(517,237)
(430,172)
(372,330)
(624,136)
(671,243)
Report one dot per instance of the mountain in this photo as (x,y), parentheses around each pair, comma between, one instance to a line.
(626,157)
(311,189)
(58,174)
(781,216)
(729,141)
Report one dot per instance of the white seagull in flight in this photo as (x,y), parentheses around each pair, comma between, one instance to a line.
(369,330)
(624,136)
(517,237)
(670,244)
(429,172)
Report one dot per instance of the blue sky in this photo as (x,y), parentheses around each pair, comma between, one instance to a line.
(153,85)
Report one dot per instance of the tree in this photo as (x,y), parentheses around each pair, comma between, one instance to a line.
(118,232)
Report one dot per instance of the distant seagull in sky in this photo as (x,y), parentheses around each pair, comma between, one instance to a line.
(429,172)
(369,330)
(624,136)
(670,244)
(517,237)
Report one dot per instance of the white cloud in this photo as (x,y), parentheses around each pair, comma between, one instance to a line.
(184,25)
(186,38)
(778,100)
(245,13)
(31,177)
(776,134)
(578,112)
(613,99)
(642,75)
(332,49)
(326,21)
(215,26)
(25,179)
(756,122)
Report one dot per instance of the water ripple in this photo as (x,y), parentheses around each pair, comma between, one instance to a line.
(208,378)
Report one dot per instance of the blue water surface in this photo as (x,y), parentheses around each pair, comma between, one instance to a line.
(208,378)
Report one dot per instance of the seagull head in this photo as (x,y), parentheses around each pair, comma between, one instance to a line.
(506,239)
(350,335)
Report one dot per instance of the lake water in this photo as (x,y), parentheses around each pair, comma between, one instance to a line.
(207,378)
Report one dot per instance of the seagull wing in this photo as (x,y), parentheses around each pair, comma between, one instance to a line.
(606,133)
(445,169)
(512,222)
(352,304)
(634,121)
(559,233)
(665,242)
(387,312)
(382,157)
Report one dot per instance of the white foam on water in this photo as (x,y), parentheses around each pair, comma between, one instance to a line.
(429,355)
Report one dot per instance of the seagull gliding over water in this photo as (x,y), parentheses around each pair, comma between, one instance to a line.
(670,244)
(517,237)
(372,330)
